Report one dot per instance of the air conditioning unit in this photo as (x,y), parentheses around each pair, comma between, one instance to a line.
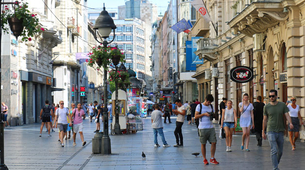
(207,73)
(215,72)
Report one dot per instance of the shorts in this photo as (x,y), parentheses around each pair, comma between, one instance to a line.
(46,119)
(228,124)
(91,114)
(62,127)
(296,124)
(97,120)
(188,117)
(78,128)
(192,114)
(69,128)
(5,117)
(207,135)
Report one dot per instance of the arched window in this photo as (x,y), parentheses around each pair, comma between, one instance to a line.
(284,58)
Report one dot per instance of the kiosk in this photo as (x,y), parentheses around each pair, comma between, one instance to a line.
(122,100)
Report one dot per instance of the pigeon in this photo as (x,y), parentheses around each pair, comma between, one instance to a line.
(143,155)
(196,154)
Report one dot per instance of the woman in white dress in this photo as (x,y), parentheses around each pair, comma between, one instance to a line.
(296,119)
(246,120)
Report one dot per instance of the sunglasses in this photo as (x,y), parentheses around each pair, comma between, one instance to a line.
(293,99)
(272,96)
(61,103)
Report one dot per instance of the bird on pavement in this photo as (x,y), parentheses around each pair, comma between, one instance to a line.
(196,154)
(143,155)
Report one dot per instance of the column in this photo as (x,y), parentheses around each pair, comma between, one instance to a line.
(39,101)
(29,103)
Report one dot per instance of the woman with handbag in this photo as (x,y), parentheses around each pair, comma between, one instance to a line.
(246,120)
(296,119)
(229,122)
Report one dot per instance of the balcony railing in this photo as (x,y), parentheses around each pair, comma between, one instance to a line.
(207,43)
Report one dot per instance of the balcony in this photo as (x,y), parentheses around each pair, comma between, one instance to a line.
(258,17)
(71,22)
(200,28)
(76,31)
(206,48)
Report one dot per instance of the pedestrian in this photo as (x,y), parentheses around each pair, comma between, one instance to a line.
(78,116)
(61,115)
(206,128)
(97,111)
(91,112)
(167,113)
(170,109)
(222,106)
(296,119)
(180,112)
(193,109)
(274,113)
(45,115)
(188,113)
(70,121)
(156,124)
(228,123)
(185,104)
(197,102)
(110,111)
(84,105)
(4,110)
(246,110)
(258,119)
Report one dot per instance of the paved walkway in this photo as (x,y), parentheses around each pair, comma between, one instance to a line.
(25,150)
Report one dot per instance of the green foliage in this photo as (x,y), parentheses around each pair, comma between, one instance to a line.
(112,86)
(117,76)
(102,56)
(30,22)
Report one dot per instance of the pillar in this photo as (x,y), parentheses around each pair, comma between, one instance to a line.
(29,103)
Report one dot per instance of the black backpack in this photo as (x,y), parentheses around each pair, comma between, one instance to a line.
(46,111)
(197,120)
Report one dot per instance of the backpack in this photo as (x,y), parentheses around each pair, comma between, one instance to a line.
(197,120)
(46,111)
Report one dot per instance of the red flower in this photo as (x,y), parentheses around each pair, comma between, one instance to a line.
(6,9)
(122,53)
(87,60)
(93,47)
(30,39)
(33,15)
(98,69)
(90,59)
(5,6)
(3,12)
(42,29)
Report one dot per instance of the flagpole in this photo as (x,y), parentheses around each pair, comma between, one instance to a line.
(216,30)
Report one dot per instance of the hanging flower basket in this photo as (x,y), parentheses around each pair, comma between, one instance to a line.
(103,56)
(21,22)
(117,76)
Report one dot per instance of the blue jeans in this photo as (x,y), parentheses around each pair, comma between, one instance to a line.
(160,131)
(276,141)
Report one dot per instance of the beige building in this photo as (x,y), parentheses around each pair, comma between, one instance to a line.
(265,36)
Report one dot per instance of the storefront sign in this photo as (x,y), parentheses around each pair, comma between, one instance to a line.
(39,78)
(241,74)
(283,77)
(48,81)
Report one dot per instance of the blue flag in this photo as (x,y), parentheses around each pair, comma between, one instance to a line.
(181,26)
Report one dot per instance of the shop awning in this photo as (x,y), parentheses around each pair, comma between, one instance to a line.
(57,89)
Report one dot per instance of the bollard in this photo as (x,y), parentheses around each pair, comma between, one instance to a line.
(97,143)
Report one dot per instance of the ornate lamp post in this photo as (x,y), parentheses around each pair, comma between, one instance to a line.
(103,26)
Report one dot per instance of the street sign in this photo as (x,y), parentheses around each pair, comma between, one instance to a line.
(82,93)
(72,94)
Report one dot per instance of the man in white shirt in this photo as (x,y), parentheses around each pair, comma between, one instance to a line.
(61,115)
(206,128)
(90,111)
(180,112)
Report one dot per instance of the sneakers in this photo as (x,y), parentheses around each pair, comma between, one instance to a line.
(74,144)
(156,145)
(62,145)
(205,161)
(53,130)
(242,147)
(39,135)
(49,135)
(247,150)
(84,143)
(176,145)
(229,149)
(213,161)
(47,130)
(165,146)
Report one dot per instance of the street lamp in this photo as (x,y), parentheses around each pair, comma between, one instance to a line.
(103,26)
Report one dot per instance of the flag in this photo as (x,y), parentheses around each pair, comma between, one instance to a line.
(181,26)
(200,7)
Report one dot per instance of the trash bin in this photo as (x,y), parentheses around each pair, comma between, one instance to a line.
(97,143)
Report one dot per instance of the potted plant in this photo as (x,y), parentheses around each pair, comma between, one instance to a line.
(103,56)
(117,76)
(21,21)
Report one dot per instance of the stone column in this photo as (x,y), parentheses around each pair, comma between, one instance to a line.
(39,101)
(44,93)
(29,103)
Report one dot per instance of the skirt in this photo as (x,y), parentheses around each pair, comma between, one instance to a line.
(296,124)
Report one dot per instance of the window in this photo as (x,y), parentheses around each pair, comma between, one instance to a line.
(119,29)
(128,38)
(140,58)
(140,49)
(193,13)
(129,29)
(284,58)
(128,56)
(120,38)
(129,65)
(121,46)
(140,66)
(129,47)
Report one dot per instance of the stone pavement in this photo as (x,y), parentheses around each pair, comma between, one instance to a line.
(25,150)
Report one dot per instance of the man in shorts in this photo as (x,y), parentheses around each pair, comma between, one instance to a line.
(61,115)
(90,111)
(45,115)
(206,128)
(78,116)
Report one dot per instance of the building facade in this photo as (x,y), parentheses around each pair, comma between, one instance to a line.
(265,36)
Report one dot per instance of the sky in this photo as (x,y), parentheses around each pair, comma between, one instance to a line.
(113,4)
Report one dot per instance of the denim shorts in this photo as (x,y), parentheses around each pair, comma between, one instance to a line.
(228,124)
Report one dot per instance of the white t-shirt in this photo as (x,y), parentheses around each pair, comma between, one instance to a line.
(90,109)
(62,115)
(293,112)
(180,118)
(156,116)
(204,122)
